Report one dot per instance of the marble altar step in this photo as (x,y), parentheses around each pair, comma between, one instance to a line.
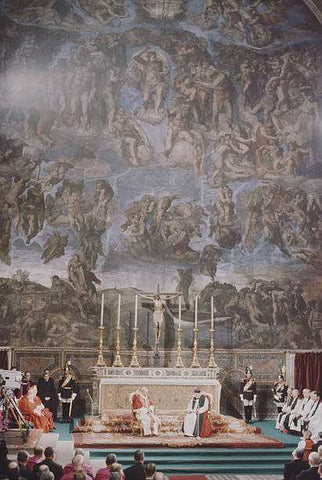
(208,461)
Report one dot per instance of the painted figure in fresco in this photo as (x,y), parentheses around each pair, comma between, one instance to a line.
(133,137)
(184,146)
(54,247)
(144,410)
(248,394)
(221,94)
(82,278)
(62,294)
(315,322)
(159,302)
(14,200)
(209,259)
(196,421)
(154,71)
(184,284)
(246,74)
(293,158)
(76,274)
(33,211)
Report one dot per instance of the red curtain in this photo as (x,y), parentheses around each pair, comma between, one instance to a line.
(4,359)
(308,371)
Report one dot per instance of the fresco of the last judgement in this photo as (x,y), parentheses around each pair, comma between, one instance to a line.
(166,151)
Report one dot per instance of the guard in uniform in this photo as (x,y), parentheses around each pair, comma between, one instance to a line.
(248,393)
(67,392)
(280,392)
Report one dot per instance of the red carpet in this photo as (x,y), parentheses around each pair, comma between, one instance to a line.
(187,477)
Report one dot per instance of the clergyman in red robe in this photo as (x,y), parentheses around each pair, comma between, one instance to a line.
(34,411)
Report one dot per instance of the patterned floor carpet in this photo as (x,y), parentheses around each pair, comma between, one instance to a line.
(227,440)
(224,476)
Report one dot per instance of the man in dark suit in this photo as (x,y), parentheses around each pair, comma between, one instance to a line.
(136,471)
(22,460)
(312,472)
(296,466)
(47,392)
(318,443)
(49,461)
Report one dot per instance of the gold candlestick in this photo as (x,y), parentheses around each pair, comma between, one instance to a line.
(118,360)
(212,363)
(179,363)
(134,359)
(195,362)
(100,359)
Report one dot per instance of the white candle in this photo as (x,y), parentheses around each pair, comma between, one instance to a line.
(180,311)
(102,310)
(196,312)
(136,312)
(212,312)
(119,312)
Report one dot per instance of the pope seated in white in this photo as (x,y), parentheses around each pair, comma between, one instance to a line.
(143,408)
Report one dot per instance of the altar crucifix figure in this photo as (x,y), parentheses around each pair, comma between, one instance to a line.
(159,300)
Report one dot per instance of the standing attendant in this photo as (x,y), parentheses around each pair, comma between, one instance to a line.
(47,392)
(67,392)
(248,394)
(280,393)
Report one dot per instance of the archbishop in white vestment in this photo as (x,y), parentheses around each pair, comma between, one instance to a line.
(196,421)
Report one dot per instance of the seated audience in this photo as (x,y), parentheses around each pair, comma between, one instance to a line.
(306,444)
(314,417)
(116,476)
(13,471)
(41,470)
(318,443)
(86,466)
(80,475)
(22,460)
(293,408)
(104,473)
(320,470)
(117,467)
(159,476)
(3,458)
(312,472)
(285,410)
(293,468)
(52,465)
(34,411)
(36,458)
(320,451)
(78,462)
(47,475)
(150,470)
(136,471)
(296,420)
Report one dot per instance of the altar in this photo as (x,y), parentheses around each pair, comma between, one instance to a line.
(169,388)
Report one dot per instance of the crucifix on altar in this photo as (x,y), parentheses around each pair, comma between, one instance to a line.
(159,300)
